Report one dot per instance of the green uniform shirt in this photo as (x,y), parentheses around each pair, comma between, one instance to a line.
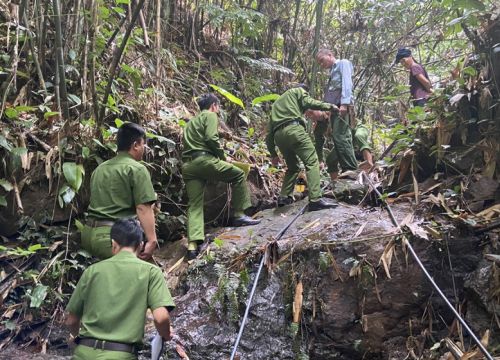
(117,186)
(201,134)
(113,295)
(291,105)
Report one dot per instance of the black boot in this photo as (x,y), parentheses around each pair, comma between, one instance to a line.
(321,204)
(193,253)
(282,201)
(244,220)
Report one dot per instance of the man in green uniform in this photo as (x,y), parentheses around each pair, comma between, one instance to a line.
(287,130)
(204,160)
(108,307)
(360,136)
(119,188)
(338,92)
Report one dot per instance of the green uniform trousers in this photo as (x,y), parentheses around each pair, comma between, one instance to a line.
(97,241)
(88,353)
(294,143)
(209,168)
(343,150)
(360,138)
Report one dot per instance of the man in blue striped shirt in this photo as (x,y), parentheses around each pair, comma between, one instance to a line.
(338,91)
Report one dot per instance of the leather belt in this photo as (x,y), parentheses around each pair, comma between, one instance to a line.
(106,345)
(196,154)
(98,223)
(285,124)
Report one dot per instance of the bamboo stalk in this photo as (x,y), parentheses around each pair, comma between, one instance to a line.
(63,95)
(116,61)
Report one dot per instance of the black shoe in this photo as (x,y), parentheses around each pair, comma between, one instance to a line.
(321,204)
(282,201)
(244,221)
(192,254)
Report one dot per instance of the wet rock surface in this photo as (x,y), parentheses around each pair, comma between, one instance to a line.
(351,309)
(344,317)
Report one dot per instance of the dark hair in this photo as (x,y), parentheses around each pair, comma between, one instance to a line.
(127,232)
(206,100)
(128,134)
(401,54)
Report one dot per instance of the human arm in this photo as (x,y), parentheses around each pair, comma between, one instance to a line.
(212,136)
(161,319)
(307,102)
(72,322)
(144,197)
(160,302)
(271,146)
(425,82)
(75,307)
(145,214)
(419,73)
(346,98)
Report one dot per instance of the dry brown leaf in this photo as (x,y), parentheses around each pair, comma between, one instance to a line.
(48,165)
(417,230)
(229,236)
(297,302)
(386,257)
(360,230)
(176,265)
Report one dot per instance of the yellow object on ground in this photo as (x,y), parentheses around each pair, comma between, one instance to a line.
(243,166)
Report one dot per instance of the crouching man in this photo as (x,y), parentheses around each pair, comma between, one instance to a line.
(107,309)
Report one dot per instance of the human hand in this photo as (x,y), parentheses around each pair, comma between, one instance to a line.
(275,160)
(148,250)
(343,110)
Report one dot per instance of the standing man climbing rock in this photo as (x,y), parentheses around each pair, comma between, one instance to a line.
(360,141)
(287,130)
(420,85)
(339,92)
(121,187)
(108,307)
(204,160)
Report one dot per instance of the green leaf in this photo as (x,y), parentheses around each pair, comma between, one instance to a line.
(72,54)
(218,242)
(10,325)
(98,143)
(234,99)
(118,2)
(471,4)
(25,108)
(66,195)
(11,113)
(6,185)
(75,99)
(3,201)
(5,144)
(19,151)
(264,98)
(50,114)
(38,295)
(36,247)
(85,152)
(119,123)
(251,132)
(79,225)
(470,71)
(73,173)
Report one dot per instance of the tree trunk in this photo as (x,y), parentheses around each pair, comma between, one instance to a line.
(317,34)
(63,95)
